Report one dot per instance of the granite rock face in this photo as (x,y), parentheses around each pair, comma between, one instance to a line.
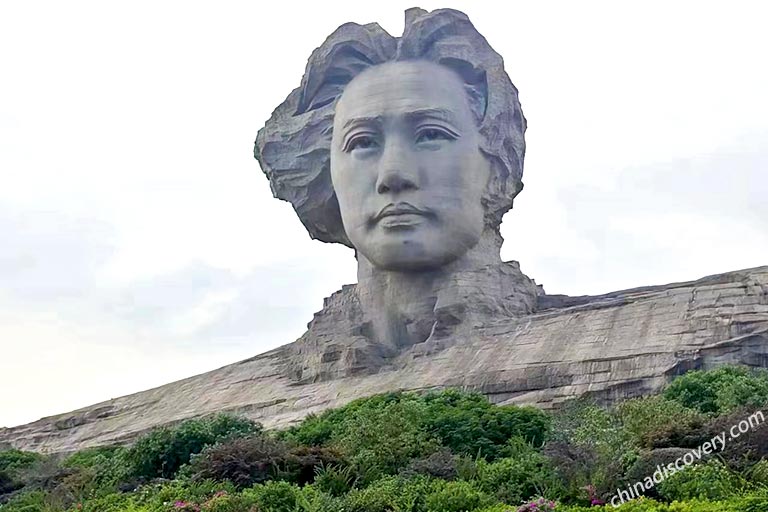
(611,346)
(410,149)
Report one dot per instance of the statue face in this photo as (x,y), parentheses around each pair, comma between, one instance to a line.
(406,166)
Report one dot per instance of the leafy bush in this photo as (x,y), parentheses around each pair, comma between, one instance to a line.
(243,461)
(391,493)
(35,501)
(13,466)
(457,497)
(255,459)
(514,479)
(381,434)
(161,452)
(303,462)
(440,464)
(380,441)
(8,483)
(499,507)
(649,419)
(106,465)
(647,464)
(223,501)
(12,461)
(710,480)
(467,423)
(335,480)
(452,451)
(158,495)
(113,502)
(590,447)
(538,505)
(312,499)
(758,474)
(274,496)
(747,449)
(721,390)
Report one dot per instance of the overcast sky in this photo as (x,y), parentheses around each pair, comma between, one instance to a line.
(139,241)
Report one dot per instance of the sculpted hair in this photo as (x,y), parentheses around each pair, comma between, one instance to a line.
(293,148)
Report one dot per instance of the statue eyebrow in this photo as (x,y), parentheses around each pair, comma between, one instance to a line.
(442,113)
(361,120)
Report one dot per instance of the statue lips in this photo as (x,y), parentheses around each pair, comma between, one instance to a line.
(400,216)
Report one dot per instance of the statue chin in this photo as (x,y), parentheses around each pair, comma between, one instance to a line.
(414,254)
(408,261)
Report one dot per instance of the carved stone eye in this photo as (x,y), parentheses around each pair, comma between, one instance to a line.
(362,142)
(432,134)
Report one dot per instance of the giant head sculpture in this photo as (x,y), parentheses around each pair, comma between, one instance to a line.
(408,149)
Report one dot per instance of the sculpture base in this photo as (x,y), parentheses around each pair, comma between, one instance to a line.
(611,346)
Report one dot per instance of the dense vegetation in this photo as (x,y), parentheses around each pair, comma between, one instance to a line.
(440,452)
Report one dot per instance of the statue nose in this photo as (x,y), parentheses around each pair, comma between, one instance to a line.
(396,173)
(395,182)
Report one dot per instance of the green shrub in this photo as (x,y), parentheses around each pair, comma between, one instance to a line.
(255,459)
(538,505)
(514,479)
(107,466)
(638,505)
(113,502)
(13,461)
(91,457)
(644,418)
(758,474)
(274,496)
(589,447)
(381,434)
(312,499)
(468,424)
(223,501)
(335,480)
(458,496)
(721,390)
(157,496)
(647,463)
(303,462)
(756,502)
(162,451)
(392,493)
(26,502)
(243,461)
(381,440)
(710,480)
(440,464)
(499,507)
(8,483)
(749,448)
(14,467)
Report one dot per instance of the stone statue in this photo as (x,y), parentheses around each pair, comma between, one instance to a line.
(410,150)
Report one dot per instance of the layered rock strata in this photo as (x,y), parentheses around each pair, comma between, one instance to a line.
(610,346)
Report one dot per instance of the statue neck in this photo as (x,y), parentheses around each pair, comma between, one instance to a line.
(402,305)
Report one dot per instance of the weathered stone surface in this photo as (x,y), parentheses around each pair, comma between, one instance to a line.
(609,346)
(411,150)
(294,147)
